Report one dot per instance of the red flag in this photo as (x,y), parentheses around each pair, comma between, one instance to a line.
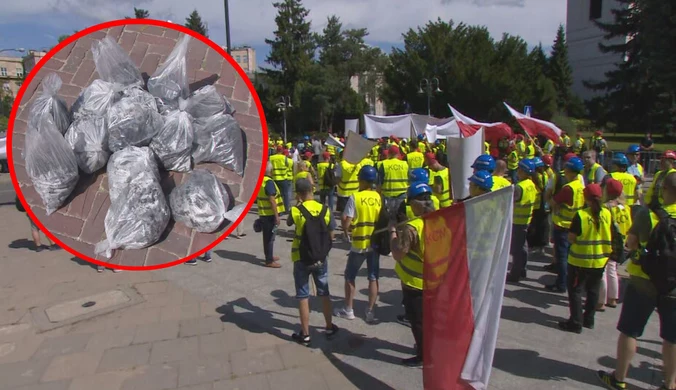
(469,126)
(536,127)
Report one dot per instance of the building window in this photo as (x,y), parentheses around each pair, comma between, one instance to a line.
(3,72)
(238,58)
(19,72)
(246,58)
(595,9)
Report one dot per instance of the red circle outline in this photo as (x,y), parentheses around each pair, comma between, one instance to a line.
(124,22)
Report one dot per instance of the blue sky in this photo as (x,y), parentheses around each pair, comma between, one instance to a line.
(36,24)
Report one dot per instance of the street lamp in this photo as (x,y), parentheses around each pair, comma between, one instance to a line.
(227,25)
(428,85)
(283,105)
(20,50)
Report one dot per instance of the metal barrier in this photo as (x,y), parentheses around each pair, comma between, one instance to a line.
(649,160)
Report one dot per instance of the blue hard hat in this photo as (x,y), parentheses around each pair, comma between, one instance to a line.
(633,149)
(527,165)
(339,150)
(420,137)
(575,164)
(419,175)
(485,162)
(620,159)
(307,138)
(538,162)
(417,189)
(483,179)
(368,173)
(437,142)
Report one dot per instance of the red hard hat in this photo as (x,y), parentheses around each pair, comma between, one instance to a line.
(568,156)
(326,155)
(308,154)
(669,154)
(394,150)
(599,133)
(548,160)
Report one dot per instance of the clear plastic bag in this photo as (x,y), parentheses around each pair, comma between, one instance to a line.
(50,164)
(96,99)
(133,120)
(201,202)
(88,136)
(173,144)
(170,81)
(114,65)
(138,213)
(218,139)
(206,102)
(49,104)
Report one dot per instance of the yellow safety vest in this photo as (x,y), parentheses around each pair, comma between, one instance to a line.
(549,146)
(592,248)
(422,147)
(415,160)
(395,181)
(513,160)
(368,205)
(656,187)
(263,202)
(289,168)
(628,186)
(523,209)
(531,151)
(563,217)
(521,149)
(366,161)
(566,141)
(279,167)
(577,146)
(331,149)
(410,268)
(621,215)
(635,269)
(375,152)
(314,208)
(321,171)
(349,183)
(542,177)
(500,182)
(487,148)
(445,195)
(591,175)
(409,210)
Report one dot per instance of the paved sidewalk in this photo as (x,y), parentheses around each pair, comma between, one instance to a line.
(170,339)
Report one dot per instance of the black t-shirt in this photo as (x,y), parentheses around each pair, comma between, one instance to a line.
(647,142)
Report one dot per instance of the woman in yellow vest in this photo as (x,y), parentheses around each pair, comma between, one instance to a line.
(303,173)
(270,206)
(590,238)
(408,250)
(525,193)
(609,292)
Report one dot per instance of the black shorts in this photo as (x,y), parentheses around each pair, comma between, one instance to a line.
(637,308)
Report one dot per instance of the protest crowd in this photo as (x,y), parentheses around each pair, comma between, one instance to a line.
(598,214)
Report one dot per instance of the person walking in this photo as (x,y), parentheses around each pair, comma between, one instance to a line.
(440,179)
(270,207)
(302,271)
(35,231)
(393,180)
(641,298)
(414,157)
(359,217)
(281,165)
(636,169)
(349,184)
(525,194)
(653,197)
(538,229)
(593,171)
(590,238)
(629,183)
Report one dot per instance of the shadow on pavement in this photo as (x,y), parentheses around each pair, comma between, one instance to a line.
(537,298)
(82,262)
(257,320)
(529,315)
(21,243)
(238,256)
(529,364)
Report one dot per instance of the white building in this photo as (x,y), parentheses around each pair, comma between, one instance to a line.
(583,37)
(376,104)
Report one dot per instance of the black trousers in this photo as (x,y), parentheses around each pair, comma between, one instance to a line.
(268,225)
(583,280)
(413,304)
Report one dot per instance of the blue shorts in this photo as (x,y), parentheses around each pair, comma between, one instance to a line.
(637,308)
(301,278)
(356,260)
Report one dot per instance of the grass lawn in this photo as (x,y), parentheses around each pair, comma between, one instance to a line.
(620,142)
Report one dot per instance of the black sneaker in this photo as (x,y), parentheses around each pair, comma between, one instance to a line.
(588,324)
(412,362)
(207,259)
(608,380)
(301,338)
(40,248)
(331,333)
(555,288)
(54,247)
(401,318)
(570,327)
(191,262)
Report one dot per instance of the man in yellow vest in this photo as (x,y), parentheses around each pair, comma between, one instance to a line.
(440,179)
(629,184)
(520,146)
(282,174)
(636,169)
(302,272)
(487,148)
(653,198)
(326,191)
(549,147)
(408,250)
(270,205)
(530,148)
(360,216)
(415,158)
(487,163)
(578,145)
(347,173)
(524,201)
(593,171)
(480,183)
(565,205)
(565,139)
(393,180)
(599,145)
(641,299)
(513,164)
(590,238)
(499,174)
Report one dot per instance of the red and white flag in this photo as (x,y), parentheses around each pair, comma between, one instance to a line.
(536,127)
(469,126)
(466,257)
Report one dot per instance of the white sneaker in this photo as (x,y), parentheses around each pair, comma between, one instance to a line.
(370,316)
(344,313)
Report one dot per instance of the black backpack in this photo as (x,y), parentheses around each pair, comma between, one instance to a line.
(330,178)
(659,258)
(380,240)
(315,241)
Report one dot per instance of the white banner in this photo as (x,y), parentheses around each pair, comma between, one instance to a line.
(351,125)
(356,148)
(385,126)
(333,141)
(449,129)
(463,152)
(419,123)
(431,133)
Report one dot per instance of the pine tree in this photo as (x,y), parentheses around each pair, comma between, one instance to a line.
(194,22)
(140,13)
(558,70)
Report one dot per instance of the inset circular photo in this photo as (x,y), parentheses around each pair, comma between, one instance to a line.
(136,144)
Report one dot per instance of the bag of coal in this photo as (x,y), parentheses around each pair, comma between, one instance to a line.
(88,136)
(218,139)
(201,202)
(173,144)
(133,120)
(206,102)
(170,81)
(114,65)
(49,104)
(96,99)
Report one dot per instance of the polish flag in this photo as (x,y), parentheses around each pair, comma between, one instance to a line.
(466,257)
(536,127)
(469,126)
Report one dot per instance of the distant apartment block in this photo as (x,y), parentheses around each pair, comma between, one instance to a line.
(31,60)
(583,37)
(245,57)
(11,74)
(358,84)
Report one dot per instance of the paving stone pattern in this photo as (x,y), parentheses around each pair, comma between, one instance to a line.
(79,223)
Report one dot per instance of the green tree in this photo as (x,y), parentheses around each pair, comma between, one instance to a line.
(63,37)
(194,22)
(139,13)
(558,70)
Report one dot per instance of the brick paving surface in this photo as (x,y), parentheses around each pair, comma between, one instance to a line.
(79,222)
